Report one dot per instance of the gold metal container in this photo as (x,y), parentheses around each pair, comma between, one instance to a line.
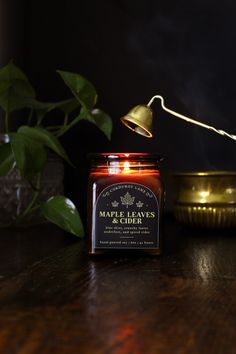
(206,199)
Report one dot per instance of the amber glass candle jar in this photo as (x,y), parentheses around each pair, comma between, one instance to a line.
(125,203)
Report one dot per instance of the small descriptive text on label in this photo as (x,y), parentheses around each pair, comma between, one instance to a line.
(126,236)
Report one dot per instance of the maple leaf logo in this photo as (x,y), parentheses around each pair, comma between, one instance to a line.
(139,204)
(115,204)
(127,200)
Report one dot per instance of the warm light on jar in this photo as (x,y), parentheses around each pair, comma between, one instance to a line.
(126,168)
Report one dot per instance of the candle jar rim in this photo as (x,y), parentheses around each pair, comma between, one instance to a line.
(121,156)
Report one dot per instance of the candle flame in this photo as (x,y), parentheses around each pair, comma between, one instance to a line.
(126,167)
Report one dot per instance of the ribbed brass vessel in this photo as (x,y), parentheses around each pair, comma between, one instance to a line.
(206,199)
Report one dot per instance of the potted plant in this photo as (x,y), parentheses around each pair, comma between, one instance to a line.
(25,152)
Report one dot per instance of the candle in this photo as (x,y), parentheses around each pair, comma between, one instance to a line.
(125,202)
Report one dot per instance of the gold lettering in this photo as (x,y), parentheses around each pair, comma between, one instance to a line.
(111,214)
(141,214)
(131,221)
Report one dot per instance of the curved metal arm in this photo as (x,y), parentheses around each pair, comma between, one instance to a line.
(190,120)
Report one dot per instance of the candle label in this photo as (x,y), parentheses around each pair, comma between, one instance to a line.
(126,215)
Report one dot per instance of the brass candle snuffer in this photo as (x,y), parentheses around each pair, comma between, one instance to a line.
(139,119)
(203,199)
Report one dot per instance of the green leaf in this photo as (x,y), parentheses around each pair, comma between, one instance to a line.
(30,155)
(62,212)
(6,159)
(43,136)
(82,89)
(15,89)
(42,108)
(99,118)
(67,106)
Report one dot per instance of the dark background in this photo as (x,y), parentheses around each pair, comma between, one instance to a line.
(131,50)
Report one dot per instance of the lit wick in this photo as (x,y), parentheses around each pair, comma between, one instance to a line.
(139,119)
(126,167)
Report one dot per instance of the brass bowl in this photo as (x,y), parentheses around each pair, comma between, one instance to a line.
(206,199)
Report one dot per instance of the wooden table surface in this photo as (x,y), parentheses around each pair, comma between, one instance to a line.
(54,298)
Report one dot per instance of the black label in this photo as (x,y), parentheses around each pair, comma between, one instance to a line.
(126,215)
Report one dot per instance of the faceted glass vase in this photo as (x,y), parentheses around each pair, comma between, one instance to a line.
(16,192)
